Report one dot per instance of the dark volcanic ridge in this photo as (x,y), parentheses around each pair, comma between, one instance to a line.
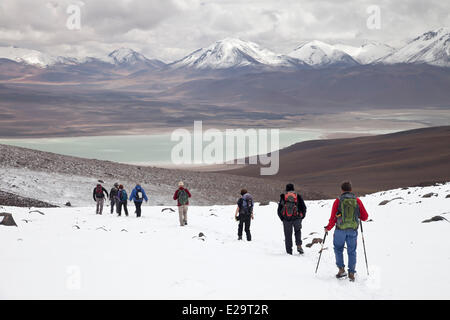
(14,200)
(372,163)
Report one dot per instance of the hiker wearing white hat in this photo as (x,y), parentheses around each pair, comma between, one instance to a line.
(182,196)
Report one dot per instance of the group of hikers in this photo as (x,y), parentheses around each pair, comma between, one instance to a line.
(118,198)
(346,214)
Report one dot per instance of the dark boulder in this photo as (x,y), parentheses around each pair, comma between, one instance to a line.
(315,240)
(429,195)
(6,219)
(434,219)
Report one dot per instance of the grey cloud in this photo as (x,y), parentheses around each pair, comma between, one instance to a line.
(170,29)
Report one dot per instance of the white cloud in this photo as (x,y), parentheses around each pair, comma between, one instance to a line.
(169,29)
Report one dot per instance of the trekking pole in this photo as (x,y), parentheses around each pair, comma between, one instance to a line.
(364,246)
(323,242)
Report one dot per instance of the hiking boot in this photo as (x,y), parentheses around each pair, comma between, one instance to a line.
(341,273)
(239,238)
(351,276)
(300,249)
(185,223)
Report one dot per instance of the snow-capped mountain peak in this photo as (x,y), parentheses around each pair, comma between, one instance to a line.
(28,56)
(368,52)
(233,53)
(126,56)
(318,53)
(432,47)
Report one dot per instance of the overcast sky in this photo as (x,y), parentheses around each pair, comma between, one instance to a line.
(170,29)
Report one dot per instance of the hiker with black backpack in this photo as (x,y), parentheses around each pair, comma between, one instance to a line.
(346,214)
(122,198)
(99,197)
(138,196)
(113,197)
(292,211)
(244,214)
(182,196)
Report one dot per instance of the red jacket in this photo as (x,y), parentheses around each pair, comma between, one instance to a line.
(362,211)
(175,196)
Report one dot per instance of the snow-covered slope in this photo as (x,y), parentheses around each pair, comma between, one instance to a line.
(432,47)
(32,57)
(234,53)
(367,53)
(320,54)
(72,253)
(129,57)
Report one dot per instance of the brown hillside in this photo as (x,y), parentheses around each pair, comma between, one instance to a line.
(372,163)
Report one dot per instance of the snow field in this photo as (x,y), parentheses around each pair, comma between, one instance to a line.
(154,258)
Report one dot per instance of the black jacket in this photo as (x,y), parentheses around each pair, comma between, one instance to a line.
(113,193)
(301,208)
(102,196)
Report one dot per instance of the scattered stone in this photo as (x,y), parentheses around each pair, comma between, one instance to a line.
(312,233)
(124,230)
(429,195)
(170,209)
(6,219)
(26,220)
(370,220)
(101,181)
(213,214)
(101,228)
(435,218)
(315,240)
(384,202)
(37,211)
(78,227)
(201,235)
(448,196)
(68,204)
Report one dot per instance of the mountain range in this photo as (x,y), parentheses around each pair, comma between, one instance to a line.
(432,48)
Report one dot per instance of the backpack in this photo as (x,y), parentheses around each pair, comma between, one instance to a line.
(348,212)
(123,195)
(99,192)
(113,193)
(290,208)
(183,197)
(138,194)
(247,204)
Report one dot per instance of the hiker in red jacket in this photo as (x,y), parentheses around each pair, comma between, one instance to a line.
(346,214)
(182,196)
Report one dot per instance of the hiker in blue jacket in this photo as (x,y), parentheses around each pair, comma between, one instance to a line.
(138,195)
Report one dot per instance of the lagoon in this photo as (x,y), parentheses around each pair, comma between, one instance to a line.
(152,149)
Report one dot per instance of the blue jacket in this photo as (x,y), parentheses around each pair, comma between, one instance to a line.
(135,191)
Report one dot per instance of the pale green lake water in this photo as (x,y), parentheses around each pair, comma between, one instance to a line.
(154,149)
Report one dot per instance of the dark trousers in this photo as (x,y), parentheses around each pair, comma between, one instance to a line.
(121,204)
(113,203)
(138,208)
(288,226)
(244,223)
